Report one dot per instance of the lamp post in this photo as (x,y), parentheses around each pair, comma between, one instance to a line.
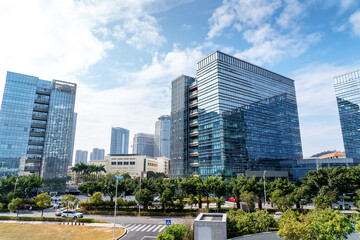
(15,186)
(140,192)
(117,180)
(265,191)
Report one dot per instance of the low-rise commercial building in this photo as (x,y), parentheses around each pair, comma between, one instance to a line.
(130,163)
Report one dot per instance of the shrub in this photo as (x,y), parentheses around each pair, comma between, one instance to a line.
(176,232)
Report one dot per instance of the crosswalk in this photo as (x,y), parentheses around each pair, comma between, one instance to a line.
(145,227)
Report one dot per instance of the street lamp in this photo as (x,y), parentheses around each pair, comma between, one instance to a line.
(117,180)
(140,190)
(265,191)
(15,187)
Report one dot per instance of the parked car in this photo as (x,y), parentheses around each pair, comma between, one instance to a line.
(72,214)
(59,212)
(55,198)
(156,199)
(231,199)
(72,191)
(278,215)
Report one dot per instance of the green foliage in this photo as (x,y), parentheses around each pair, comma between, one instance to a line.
(43,201)
(176,232)
(96,198)
(68,201)
(1,206)
(49,219)
(322,202)
(25,185)
(166,199)
(241,223)
(281,201)
(154,175)
(90,187)
(144,197)
(249,198)
(15,205)
(319,224)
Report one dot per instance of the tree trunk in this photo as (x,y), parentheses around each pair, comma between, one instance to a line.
(207,203)
(237,202)
(259,203)
(297,205)
(17,213)
(42,212)
(200,203)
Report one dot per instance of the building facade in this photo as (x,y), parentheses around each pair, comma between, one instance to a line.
(97,154)
(81,156)
(237,117)
(162,137)
(133,164)
(72,140)
(144,144)
(163,165)
(119,141)
(36,123)
(347,90)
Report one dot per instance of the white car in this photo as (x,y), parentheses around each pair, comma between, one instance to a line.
(59,212)
(72,214)
(278,215)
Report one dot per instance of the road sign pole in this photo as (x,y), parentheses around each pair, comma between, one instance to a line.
(117,180)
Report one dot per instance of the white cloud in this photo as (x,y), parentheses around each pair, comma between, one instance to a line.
(270,40)
(354,20)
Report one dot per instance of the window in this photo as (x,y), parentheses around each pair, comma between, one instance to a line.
(120,163)
(126,163)
(132,163)
(113,163)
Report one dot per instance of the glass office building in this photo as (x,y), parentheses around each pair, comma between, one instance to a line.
(162,137)
(347,90)
(119,141)
(97,154)
(72,140)
(144,144)
(81,156)
(244,118)
(36,122)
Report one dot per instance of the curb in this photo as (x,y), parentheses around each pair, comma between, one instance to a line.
(123,235)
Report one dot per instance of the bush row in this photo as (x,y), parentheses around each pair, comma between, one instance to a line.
(49,219)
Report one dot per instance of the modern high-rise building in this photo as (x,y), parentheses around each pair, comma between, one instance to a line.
(72,140)
(144,144)
(233,118)
(347,90)
(162,137)
(36,123)
(119,141)
(97,154)
(81,156)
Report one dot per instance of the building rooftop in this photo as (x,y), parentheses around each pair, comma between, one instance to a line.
(333,155)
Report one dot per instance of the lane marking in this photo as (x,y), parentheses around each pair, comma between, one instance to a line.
(157,228)
(162,228)
(141,228)
(146,228)
(137,226)
(151,228)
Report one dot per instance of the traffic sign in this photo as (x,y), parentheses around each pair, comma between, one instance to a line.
(119,177)
(168,222)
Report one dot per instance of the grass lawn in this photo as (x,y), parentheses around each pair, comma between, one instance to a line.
(27,231)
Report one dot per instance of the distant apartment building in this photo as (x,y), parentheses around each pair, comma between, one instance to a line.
(231,118)
(163,165)
(144,144)
(36,124)
(72,140)
(119,141)
(97,154)
(347,91)
(133,164)
(162,137)
(81,156)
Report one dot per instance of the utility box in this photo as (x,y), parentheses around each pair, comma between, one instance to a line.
(210,226)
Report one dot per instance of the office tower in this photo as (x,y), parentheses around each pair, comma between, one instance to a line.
(162,137)
(97,154)
(347,90)
(72,140)
(180,127)
(144,144)
(81,156)
(234,118)
(119,141)
(36,122)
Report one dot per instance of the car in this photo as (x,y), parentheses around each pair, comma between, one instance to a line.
(72,214)
(231,199)
(156,199)
(278,215)
(59,212)
(55,198)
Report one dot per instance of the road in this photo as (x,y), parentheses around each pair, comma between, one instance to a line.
(139,228)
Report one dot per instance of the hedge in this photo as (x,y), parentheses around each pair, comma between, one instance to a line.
(50,219)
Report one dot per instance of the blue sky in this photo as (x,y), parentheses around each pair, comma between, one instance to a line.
(124,53)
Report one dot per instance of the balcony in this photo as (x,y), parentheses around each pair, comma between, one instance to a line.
(43,91)
(193,133)
(193,95)
(42,101)
(34,151)
(193,113)
(37,134)
(37,125)
(194,164)
(194,154)
(193,123)
(41,109)
(39,117)
(33,160)
(193,105)
(193,86)
(36,143)
(32,168)
(194,144)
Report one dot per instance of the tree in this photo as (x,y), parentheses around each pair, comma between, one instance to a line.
(15,205)
(68,201)
(96,199)
(43,201)
(166,199)
(144,197)
(236,188)
(90,187)
(280,200)
(322,202)
(319,224)
(301,195)
(249,198)
(176,232)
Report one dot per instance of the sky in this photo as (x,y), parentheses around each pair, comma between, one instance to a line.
(123,54)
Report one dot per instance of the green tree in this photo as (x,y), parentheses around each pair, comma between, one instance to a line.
(68,201)
(319,224)
(15,205)
(322,202)
(166,199)
(176,232)
(90,187)
(96,199)
(301,195)
(280,200)
(144,197)
(43,201)
(249,198)
(1,206)
(236,187)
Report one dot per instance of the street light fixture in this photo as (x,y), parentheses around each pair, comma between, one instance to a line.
(265,191)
